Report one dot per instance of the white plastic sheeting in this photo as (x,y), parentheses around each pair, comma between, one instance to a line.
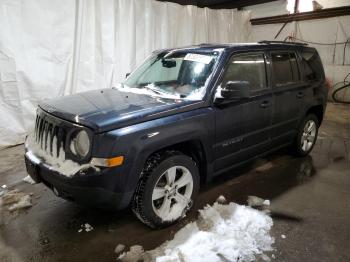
(52,48)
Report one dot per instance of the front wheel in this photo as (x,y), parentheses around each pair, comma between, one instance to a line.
(168,185)
(307,135)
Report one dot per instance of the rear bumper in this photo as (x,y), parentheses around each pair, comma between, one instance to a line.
(103,188)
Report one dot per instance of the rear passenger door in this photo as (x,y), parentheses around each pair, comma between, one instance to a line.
(243,126)
(288,94)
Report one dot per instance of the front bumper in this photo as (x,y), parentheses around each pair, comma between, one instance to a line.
(103,188)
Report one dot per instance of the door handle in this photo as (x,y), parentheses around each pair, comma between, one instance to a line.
(265,104)
(300,95)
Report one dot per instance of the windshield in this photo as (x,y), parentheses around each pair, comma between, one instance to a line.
(174,74)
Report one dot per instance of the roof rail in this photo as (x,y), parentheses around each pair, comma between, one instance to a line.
(281,42)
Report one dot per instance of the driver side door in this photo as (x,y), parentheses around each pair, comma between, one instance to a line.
(243,126)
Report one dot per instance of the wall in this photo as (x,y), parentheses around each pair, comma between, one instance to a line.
(268,9)
(53,48)
(333,3)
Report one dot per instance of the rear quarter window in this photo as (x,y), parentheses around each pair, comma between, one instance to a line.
(311,66)
(285,68)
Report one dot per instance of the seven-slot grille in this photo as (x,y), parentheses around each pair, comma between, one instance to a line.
(49,136)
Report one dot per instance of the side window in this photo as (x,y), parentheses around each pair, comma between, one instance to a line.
(294,65)
(247,67)
(285,68)
(311,65)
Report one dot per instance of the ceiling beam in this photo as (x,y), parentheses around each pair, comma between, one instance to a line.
(237,4)
(318,14)
(219,4)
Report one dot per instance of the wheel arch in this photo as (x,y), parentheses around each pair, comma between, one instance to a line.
(194,149)
(318,111)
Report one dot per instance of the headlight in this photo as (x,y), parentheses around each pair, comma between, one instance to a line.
(81,144)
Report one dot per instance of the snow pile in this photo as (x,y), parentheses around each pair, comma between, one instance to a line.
(229,232)
(59,164)
(15,200)
(197,94)
(143,91)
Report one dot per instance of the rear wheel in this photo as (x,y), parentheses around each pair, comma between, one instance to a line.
(168,185)
(307,135)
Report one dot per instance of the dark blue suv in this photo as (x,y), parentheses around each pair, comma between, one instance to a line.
(183,117)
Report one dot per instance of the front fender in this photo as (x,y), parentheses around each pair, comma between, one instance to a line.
(137,142)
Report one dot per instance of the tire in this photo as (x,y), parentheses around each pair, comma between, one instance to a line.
(306,136)
(168,184)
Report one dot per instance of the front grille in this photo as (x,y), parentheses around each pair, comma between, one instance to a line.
(50,136)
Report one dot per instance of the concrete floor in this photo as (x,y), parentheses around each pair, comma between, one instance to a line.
(310,204)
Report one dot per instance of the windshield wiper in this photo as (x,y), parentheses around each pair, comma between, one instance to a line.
(154,90)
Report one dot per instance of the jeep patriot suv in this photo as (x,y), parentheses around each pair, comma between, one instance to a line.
(183,117)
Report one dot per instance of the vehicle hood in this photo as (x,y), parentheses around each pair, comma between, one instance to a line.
(108,109)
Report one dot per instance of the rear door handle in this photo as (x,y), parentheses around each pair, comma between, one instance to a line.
(300,95)
(265,104)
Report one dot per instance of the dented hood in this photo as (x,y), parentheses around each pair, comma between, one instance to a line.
(108,109)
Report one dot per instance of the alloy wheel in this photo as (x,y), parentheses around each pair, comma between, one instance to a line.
(171,196)
(308,137)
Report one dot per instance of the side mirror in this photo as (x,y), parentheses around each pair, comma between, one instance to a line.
(235,90)
(126,75)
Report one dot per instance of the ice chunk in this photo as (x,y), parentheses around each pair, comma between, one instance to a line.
(264,167)
(221,199)
(88,227)
(134,254)
(16,200)
(24,202)
(265,257)
(119,248)
(12,196)
(254,201)
(283,236)
(266,202)
(29,180)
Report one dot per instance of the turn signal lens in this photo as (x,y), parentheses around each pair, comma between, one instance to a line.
(115,161)
(108,162)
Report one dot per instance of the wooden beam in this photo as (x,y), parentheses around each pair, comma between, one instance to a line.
(296,6)
(318,14)
(238,4)
(224,4)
